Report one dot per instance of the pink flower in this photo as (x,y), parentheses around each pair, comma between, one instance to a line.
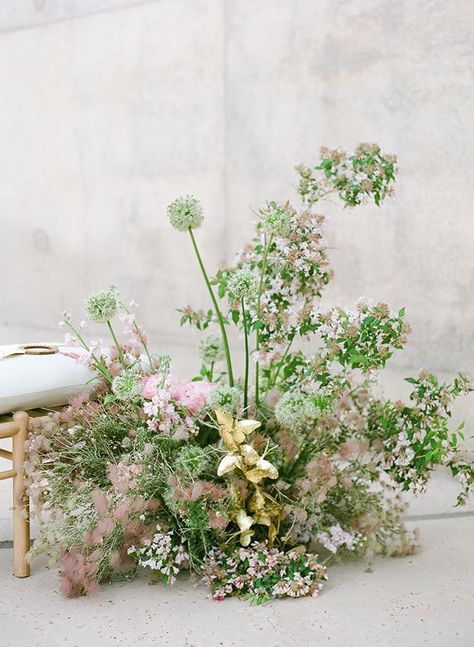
(217,520)
(122,511)
(100,501)
(150,386)
(192,395)
(78,573)
(123,477)
(105,526)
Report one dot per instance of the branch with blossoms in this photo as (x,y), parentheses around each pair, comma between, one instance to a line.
(412,439)
(274,284)
(356,177)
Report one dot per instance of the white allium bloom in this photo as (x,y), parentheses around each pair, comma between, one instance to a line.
(211,349)
(126,386)
(243,284)
(101,306)
(295,410)
(225,397)
(185,213)
(276,219)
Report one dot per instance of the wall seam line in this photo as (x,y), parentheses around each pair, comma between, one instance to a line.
(82,16)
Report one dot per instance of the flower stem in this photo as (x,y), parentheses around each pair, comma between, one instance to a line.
(279,365)
(140,336)
(117,345)
(259,298)
(246,337)
(145,346)
(217,310)
(98,363)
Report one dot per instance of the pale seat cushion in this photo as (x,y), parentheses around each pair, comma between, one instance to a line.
(31,381)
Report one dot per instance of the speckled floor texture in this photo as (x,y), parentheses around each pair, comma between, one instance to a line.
(427,599)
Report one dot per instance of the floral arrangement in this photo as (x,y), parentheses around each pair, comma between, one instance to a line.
(254,482)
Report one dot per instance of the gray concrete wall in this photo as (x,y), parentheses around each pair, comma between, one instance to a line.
(110,108)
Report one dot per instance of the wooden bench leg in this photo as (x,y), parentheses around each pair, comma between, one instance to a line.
(21,520)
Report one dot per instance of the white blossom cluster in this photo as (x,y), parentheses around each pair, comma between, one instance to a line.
(162,554)
(336,537)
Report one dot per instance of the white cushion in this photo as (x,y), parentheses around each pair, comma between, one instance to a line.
(31,381)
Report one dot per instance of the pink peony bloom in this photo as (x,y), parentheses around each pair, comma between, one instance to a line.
(150,386)
(192,395)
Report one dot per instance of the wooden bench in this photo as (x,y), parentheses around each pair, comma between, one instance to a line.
(17,429)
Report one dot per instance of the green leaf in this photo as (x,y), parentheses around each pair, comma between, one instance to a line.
(109,398)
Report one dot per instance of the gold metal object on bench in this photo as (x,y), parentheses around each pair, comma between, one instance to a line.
(33,349)
(17,430)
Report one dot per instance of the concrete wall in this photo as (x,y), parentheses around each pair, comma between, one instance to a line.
(111,108)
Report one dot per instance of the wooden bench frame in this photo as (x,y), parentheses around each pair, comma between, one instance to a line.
(17,430)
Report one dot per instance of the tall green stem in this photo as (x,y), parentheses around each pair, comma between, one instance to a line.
(220,318)
(117,345)
(246,376)
(259,299)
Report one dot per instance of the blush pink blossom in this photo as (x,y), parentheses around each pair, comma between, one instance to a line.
(100,501)
(123,477)
(78,573)
(192,395)
(150,386)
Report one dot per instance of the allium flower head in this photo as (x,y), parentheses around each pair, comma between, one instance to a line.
(127,385)
(225,397)
(101,306)
(185,213)
(276,219)
(211,349)
(243,284)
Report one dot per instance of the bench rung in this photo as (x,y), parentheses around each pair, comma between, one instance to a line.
(8,429)
(4,453)
(8,474)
